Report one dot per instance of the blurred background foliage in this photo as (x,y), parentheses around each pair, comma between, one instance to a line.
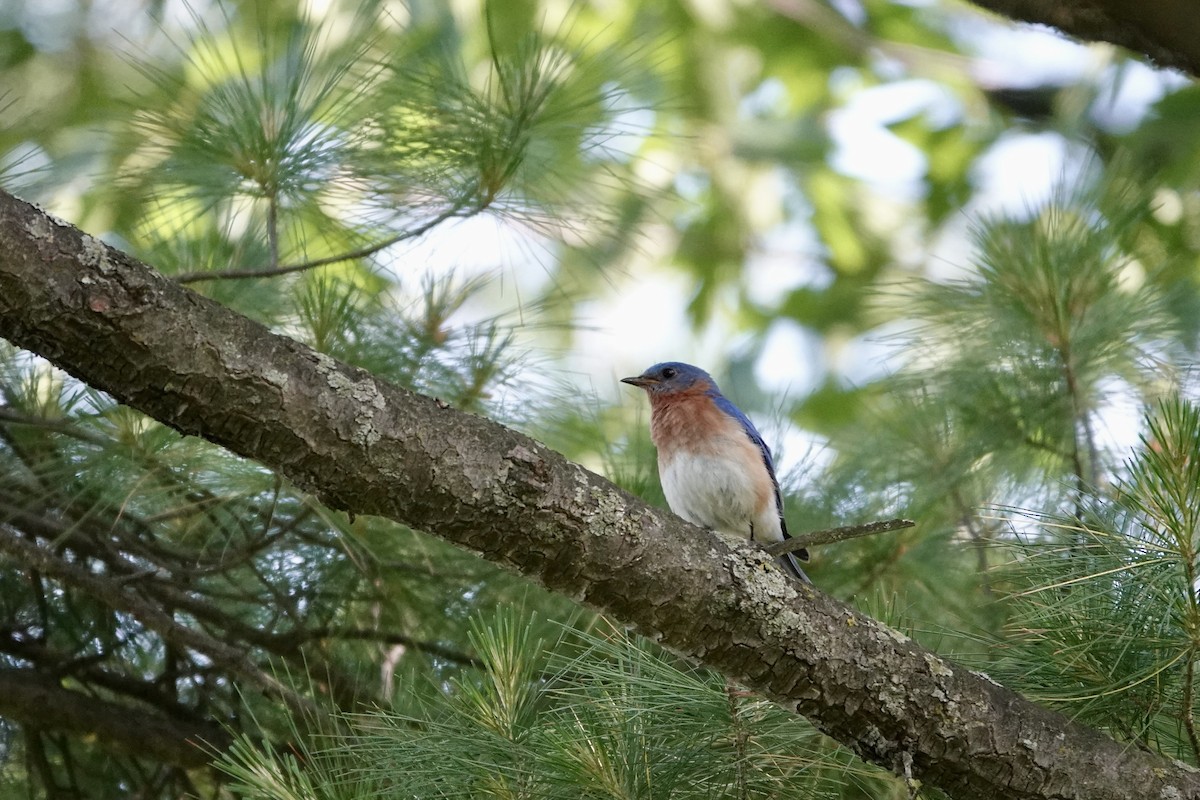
(948,265)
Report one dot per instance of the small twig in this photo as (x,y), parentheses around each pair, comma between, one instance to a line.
(64,426)
(362,252)
(841,534)
(130,577)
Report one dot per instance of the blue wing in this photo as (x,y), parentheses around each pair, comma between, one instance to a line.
(729,408)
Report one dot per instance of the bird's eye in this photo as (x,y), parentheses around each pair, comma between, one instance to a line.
(670,372)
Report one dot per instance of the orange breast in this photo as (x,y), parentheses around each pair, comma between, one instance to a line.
(688,421)
(712,472)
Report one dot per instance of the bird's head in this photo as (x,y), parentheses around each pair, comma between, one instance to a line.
(671,378)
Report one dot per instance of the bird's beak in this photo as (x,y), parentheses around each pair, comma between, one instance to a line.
(640,381)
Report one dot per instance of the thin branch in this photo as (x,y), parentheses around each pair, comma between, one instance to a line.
(36,760)
(740,737)
(1084,474)
(273,231)
(119,598)
(64,750)
(42,703)
(978,538)
(827,22)
(286,269)
(384,637)
(51,663)
(831,535)
(65,426)
(1189,678)
(1189,702)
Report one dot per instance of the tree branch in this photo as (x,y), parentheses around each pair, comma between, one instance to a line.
(371,448)
(1165,31)
(29,698)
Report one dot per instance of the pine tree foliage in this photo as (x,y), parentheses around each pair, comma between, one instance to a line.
(1105,606)
(289,165)
(1011,376)
(1067,306)
(593,714)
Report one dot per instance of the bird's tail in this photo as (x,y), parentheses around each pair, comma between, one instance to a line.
(791,565)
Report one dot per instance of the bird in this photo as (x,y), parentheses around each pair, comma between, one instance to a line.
(715,468)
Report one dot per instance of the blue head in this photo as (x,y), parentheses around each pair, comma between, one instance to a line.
(672,377)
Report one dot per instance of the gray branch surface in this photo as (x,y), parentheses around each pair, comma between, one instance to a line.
(367,447)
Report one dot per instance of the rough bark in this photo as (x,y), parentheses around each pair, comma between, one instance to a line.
(1165,31)
(42,702)
(370,448)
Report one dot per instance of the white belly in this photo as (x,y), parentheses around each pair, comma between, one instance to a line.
(718,494)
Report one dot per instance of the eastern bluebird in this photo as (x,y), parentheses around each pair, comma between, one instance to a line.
(715,468)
